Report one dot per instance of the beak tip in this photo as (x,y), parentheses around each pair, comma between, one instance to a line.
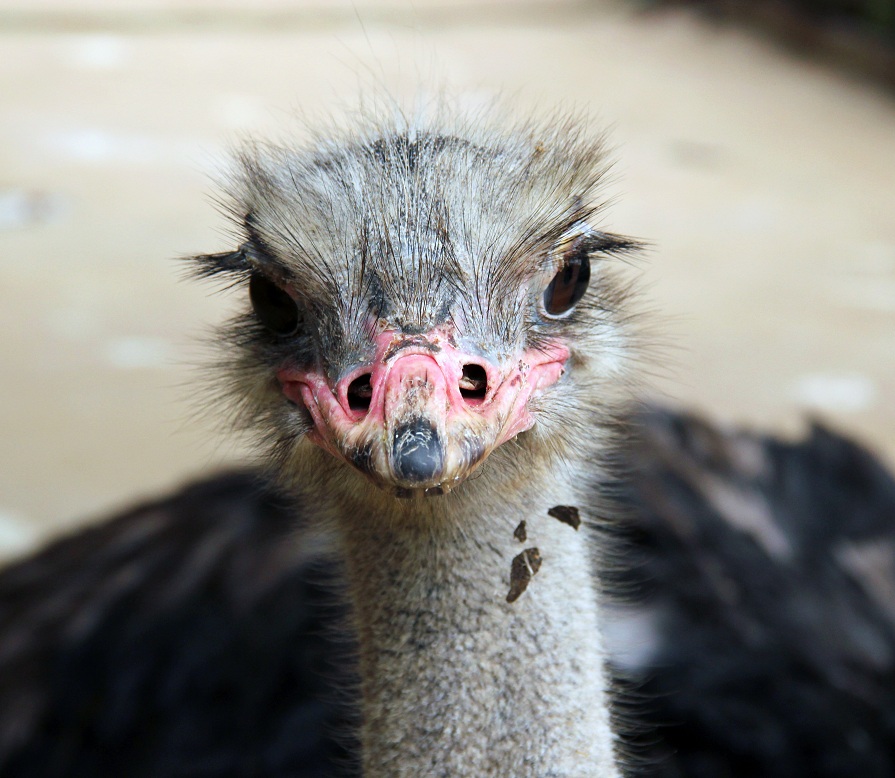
(417,452)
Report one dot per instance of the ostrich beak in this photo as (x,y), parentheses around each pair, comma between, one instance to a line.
(424,413)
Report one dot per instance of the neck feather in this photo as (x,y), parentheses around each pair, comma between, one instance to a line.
(456,680)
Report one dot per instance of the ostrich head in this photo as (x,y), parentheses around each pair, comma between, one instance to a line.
(419,297)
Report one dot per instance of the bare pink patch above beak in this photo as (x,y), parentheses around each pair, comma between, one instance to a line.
(423,413)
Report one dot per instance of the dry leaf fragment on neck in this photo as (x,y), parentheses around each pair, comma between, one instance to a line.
(520,533)
(522,570)
(567,514)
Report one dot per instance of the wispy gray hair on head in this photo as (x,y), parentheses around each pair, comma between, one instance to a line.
(414,220)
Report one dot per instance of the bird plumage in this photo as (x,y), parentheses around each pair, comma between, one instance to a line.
(763,571)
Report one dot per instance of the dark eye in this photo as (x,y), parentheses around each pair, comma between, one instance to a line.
(568,285)
(274,308)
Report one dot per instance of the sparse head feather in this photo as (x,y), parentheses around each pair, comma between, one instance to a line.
(408,225)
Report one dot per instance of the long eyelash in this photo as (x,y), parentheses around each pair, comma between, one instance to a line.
(612,245)
(227,263)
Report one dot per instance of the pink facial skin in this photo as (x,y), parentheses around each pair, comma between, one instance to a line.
(413,378)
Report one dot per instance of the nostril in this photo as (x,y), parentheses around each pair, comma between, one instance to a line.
(473,383)
(360,390)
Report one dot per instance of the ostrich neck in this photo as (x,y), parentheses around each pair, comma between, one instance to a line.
(455,680)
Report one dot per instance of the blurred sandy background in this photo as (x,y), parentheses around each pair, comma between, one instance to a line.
(765,181)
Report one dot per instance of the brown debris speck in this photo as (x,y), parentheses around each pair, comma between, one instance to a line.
(566,514)
(519,533)
(522,570)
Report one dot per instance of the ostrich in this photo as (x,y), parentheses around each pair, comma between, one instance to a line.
(421,315)
(437,359)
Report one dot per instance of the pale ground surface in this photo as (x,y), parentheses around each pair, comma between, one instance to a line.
(766,184)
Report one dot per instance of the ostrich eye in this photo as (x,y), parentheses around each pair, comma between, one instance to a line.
(274,308)
(568,285)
